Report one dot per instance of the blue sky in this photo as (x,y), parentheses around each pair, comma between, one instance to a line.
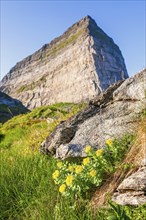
(28,25)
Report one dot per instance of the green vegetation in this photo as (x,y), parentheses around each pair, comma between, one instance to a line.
(117,212)
(28,191)
(63,43)
(26,183)
(79,178)
(29,130)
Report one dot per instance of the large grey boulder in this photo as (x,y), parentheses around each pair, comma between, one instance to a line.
(75,67)
(10,107)
(112,114)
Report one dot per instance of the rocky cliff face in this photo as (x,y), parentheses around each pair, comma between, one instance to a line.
(10,107)
(74,67)
(112,114)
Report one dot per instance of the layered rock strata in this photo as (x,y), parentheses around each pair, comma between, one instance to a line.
(112,114)
(75,67)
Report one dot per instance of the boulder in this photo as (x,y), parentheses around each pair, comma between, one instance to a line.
(132,191)
(130,198)
(111,115)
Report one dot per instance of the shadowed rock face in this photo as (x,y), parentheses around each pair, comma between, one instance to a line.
(111,114)
(75,67)
(10,107)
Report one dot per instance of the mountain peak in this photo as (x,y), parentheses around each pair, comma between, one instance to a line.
(74,67)
(84,21)
(88,18)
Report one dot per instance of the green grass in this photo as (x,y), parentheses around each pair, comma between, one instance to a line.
(27,190)
(25,184)
(29,130)
(117,212)
(62,44)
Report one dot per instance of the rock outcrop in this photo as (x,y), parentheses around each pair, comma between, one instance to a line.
(10,107)
(74,67)
(132,191)
(112,114)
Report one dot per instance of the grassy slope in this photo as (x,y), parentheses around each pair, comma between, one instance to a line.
(26,184)
(27,188)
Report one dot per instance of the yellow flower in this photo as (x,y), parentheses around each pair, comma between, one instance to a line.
(71,168)
(93,173)
(87,149)
(69,180)
(79,169)
(86,161)
(55,174)
(99,152)
(59,164)
(109,142)
(62,188)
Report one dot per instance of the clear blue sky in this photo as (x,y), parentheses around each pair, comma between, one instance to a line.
(27,25)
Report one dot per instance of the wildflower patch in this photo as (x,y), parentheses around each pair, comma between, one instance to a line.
(74,179)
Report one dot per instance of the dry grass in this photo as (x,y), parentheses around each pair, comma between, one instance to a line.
(133,158)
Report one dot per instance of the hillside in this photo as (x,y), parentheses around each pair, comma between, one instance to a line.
(75,67)
(27,187)
(37,186)
(73,147)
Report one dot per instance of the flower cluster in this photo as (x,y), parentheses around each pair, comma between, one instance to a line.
(93,173)
(62,188)
(109,142)
(69,180)
(79,169)
(55,174)
(77,178)
(86,161)
(59,164)
(88,149)
(99,152)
